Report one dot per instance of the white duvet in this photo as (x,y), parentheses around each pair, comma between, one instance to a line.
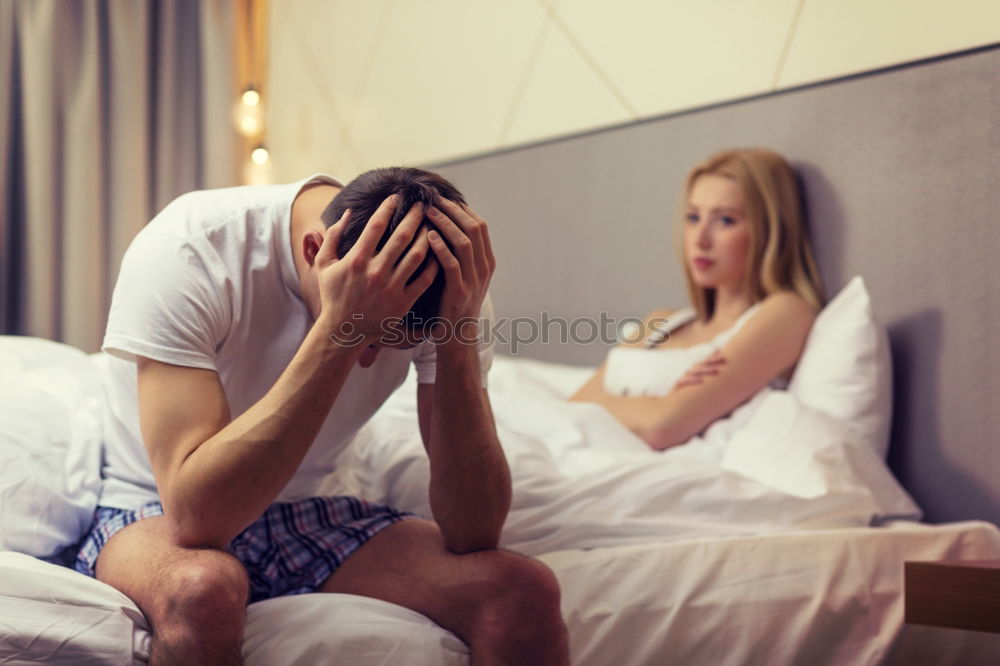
(582,480)
(679,586)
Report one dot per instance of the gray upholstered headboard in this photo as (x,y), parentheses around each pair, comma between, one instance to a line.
(902,173)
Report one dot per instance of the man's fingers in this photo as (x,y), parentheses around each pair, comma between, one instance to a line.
(449,262)
(403,234)
(474,228)
(411,260)
(420,283)
(462,242)
(327,252)
(377,224)
(491,260)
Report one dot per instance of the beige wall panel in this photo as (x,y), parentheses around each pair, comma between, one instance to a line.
(839,37)
(443,80)
(563,94)
(664,56)
(355,85)
(314,76)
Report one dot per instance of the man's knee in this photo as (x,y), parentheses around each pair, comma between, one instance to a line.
(524,601)
(205,589)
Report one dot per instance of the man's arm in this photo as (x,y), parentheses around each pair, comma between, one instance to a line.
(470,487)
(214,476)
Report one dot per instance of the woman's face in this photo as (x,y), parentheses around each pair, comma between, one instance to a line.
(716,233)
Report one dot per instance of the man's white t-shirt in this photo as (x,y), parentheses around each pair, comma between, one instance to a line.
(210,283)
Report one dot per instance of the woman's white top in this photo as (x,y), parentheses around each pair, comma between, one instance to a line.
(651,370)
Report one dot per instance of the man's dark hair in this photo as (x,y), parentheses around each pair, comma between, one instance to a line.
(365,194)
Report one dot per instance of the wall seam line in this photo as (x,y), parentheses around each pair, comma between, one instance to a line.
(591,62)
(787,46)
(522,83)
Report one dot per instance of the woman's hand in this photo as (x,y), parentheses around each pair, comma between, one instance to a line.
(702,370)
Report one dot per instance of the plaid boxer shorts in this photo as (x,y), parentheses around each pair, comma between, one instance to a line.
(291,549)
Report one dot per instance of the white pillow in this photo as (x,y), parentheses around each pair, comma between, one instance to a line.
(806,453)
(311,629)
(51,403)
(846,369)
(51,615)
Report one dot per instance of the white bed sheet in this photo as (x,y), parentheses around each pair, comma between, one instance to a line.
(582,480)
(52,615)
(801,597)
(804,597)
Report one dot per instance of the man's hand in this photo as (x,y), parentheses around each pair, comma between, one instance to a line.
(363,289)
(468,266)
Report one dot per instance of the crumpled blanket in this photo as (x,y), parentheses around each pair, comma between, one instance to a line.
(582,480)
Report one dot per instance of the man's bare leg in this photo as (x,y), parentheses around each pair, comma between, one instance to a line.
(503,605)
(195,599)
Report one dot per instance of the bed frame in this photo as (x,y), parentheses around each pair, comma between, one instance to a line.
(901,169)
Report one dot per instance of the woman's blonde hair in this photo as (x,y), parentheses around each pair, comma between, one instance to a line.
(780,257)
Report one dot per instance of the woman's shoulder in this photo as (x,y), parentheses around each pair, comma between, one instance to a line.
(638,334)
(785,309)
(789,303)
(780,327)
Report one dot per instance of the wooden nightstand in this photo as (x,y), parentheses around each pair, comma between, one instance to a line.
(958,594)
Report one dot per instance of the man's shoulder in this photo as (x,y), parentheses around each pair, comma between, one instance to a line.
(210,204)
(219,221)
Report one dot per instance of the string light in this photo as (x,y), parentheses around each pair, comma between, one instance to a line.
(249,118)
(249,114)
(259,155)
(257,169)
(251,97)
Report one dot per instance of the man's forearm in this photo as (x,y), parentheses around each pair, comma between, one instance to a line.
(229,480)
(470,488)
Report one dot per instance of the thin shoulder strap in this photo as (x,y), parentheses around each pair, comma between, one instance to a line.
(724,337)
(673,322)
(746,315)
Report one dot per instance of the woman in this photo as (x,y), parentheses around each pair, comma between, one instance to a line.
(754,289)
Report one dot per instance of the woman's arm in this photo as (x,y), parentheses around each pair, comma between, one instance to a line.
(593,390)
(767,346)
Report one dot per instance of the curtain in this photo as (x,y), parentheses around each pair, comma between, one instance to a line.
(111,108)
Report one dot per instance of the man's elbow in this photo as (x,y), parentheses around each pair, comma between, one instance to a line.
(195,536)
(466,546)
(188,530)
(463,544)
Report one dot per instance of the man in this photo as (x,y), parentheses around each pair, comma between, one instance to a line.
(248,343)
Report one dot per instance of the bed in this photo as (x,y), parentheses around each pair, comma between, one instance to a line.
(694,557)
(777,537)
